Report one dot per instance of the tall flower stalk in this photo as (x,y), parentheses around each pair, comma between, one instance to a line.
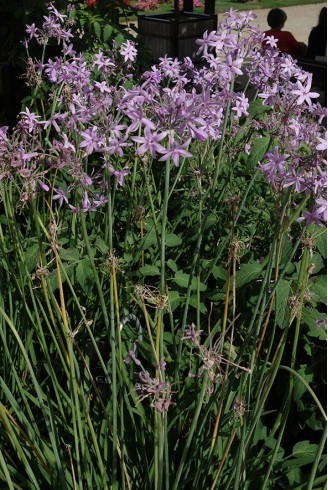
(162,243)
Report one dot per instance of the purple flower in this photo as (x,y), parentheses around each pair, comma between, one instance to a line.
(99,201)
(60,196)
(209,41)
(68,50)
(91,140)
(192,334)
(31,30)
(43,186)
(322,146)
(318,215)
(101,61)
(303,92)
(102,87)
(128,51)
(158,391)
(233,66)
(119,174)
(86,204)
(150,142)
(241,106)
(275,168)
(132,356)
(175,151)
(271,41)
(30,120)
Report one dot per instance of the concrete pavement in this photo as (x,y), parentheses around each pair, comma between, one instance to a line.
(300,19)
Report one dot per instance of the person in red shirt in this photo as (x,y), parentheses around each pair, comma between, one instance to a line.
(286,41)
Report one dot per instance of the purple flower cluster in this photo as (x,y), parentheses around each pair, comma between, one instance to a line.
(155,389)
(54,26)
(98,118)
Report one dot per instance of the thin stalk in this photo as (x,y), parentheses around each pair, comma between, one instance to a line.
(314,469)
(209,195)
(94,269)
(110,326)
(321,480)
(226,452)
(159,333)
(308,387)
(279,438)
(6,472)
(166,454)
(266,322)
(36,385)
(133,184)
(152,207)
(191,433)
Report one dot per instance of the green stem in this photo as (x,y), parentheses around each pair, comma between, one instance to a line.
(191,432)
(308,387)
(316,462)
(209,195)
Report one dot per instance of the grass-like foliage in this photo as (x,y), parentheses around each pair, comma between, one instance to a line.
(162,247)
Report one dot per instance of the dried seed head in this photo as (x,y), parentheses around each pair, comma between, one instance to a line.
(67,94)
(53,229)
(239,408)
(139,213)
(295,305)
(39,273)
(114,262)
(235,247)
(307,296)
(33,79)
(152,296)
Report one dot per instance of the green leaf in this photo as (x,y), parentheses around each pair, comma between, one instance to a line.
(281,303)
(97,29)
(172,240)
(211,221)
(299,387)
(219,272)
(149,240)
(174,299)
(258,150)
(108,30)
(286,250)
(53,277)
(321,241)
(310,317)
(101,245)
(31,256)
(182,280)
(256,108)
(149,270)
(304,448)
(318,263)
(247,273)
(84,275)
(70,254)
(319,289)
(172,265)
(194,303)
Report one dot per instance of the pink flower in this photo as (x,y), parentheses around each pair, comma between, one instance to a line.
(303,92)
(175,151)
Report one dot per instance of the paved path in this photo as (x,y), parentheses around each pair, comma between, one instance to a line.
(300,19)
